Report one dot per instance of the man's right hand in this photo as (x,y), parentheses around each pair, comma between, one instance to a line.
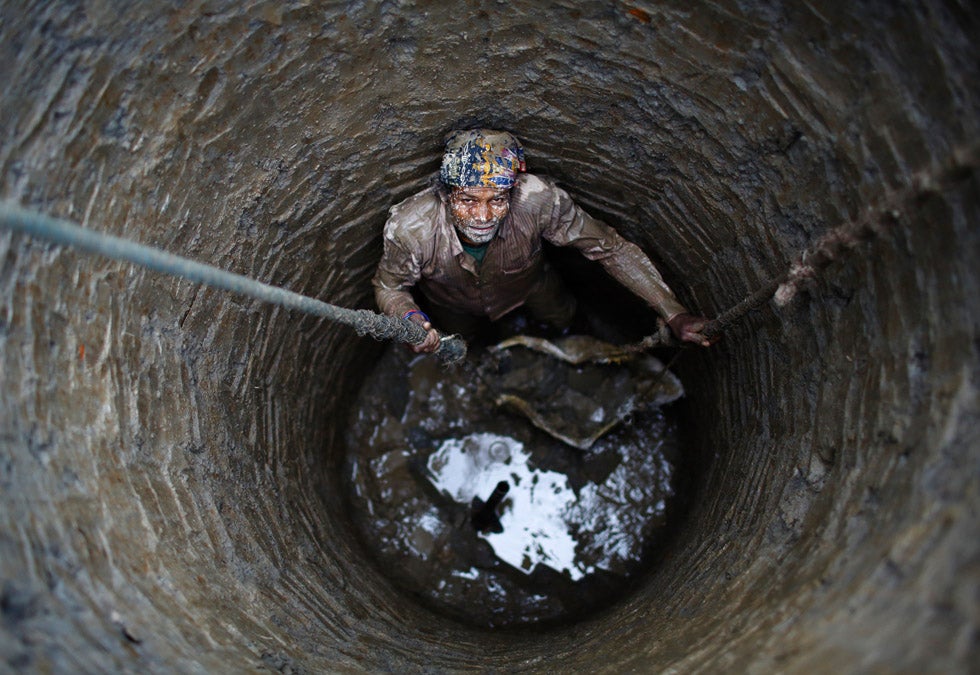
(431,342)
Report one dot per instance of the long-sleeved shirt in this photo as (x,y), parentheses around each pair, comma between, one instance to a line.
(421,248)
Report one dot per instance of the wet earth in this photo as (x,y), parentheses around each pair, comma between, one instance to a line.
(426,448)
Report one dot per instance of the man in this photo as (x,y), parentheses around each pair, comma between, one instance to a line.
(473,246)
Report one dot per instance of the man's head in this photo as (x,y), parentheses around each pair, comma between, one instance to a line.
(481,158)
(479,167)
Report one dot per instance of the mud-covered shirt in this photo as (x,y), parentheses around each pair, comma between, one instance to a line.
(421,248)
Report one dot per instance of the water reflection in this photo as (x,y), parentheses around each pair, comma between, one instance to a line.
(425,443)
(533,519)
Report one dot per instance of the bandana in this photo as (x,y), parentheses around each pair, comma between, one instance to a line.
(482,158)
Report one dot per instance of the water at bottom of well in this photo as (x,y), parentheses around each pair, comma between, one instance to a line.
(574,526)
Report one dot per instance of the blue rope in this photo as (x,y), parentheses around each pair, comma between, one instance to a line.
(365,322)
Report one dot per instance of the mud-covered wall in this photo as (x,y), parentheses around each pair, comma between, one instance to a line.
(168,454)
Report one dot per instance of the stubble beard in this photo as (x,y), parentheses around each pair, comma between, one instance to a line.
(481,236)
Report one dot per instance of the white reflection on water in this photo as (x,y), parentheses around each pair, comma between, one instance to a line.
(541,512)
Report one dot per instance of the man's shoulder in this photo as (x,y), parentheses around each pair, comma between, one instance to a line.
(419,211)
(531,183)
(533,193)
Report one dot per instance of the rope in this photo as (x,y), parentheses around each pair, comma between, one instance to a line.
(874,222)
(451,349)
(828,248)
(837,241)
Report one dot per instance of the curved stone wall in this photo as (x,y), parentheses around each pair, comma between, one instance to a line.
(170,493)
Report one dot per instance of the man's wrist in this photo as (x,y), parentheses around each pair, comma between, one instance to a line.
(416,312)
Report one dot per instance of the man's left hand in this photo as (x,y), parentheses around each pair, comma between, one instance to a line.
(689,328)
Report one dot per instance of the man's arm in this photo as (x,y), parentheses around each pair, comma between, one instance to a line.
(570,225)
(398,271)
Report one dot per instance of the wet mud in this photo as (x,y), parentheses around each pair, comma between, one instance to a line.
(576,526)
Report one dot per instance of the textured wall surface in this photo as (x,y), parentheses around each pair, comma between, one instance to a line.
(169,494)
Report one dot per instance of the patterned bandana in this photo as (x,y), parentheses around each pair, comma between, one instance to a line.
(482,158)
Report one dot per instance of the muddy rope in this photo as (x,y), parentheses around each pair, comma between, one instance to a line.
(873,222)
(365,322)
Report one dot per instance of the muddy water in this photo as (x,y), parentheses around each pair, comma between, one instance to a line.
(575,527)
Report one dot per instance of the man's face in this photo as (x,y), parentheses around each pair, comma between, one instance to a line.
(477,212)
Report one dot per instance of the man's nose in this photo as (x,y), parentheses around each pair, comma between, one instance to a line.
(483,211)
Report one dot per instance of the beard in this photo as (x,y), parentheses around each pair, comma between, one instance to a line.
(478,232)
